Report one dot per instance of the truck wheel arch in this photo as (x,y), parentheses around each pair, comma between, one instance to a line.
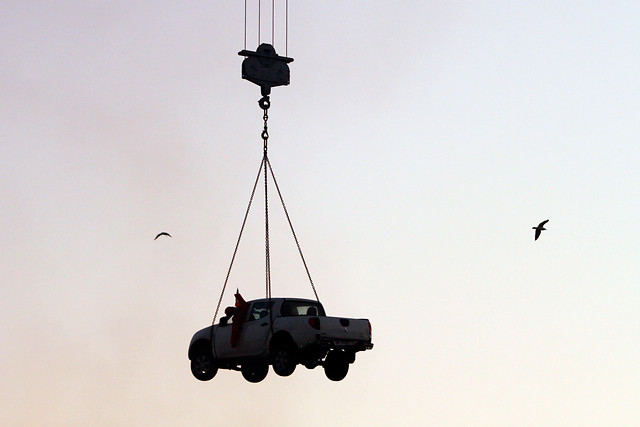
(198,345)
(281,337)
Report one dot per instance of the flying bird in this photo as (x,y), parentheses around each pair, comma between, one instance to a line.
(164,233)
(539,228)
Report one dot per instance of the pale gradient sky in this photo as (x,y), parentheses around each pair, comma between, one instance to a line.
(416,147)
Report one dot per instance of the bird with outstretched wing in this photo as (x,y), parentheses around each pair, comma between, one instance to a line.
(539,229)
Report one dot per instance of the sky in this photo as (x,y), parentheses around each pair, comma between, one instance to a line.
(416,146)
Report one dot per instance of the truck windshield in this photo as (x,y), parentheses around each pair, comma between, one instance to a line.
(301,308)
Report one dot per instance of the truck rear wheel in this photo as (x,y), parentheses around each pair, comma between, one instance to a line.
(284,359)
(336,365)
(255,372)
(203,366)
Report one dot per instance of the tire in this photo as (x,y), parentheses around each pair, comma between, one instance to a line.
(311,365)
(336,365)
(203,366)
(284,359)
(255,372)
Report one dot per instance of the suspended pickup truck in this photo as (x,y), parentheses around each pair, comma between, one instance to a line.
(281,332)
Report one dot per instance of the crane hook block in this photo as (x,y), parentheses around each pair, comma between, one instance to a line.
(265,68)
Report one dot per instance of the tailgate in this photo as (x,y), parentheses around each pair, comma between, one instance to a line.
(343,329)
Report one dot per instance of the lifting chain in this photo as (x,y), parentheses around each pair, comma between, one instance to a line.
(265,169)
(264,103)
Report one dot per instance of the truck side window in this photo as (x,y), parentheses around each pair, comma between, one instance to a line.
(259,310)
(301,308)
(228,317)
(226,320)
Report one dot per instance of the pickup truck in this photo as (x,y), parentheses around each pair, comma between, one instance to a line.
(278,332)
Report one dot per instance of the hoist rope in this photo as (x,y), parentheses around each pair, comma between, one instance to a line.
(273,25)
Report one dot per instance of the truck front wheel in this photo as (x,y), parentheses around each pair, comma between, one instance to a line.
(336,365)
(203,367)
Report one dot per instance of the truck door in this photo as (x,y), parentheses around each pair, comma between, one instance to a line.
(222,339)
(255,329)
